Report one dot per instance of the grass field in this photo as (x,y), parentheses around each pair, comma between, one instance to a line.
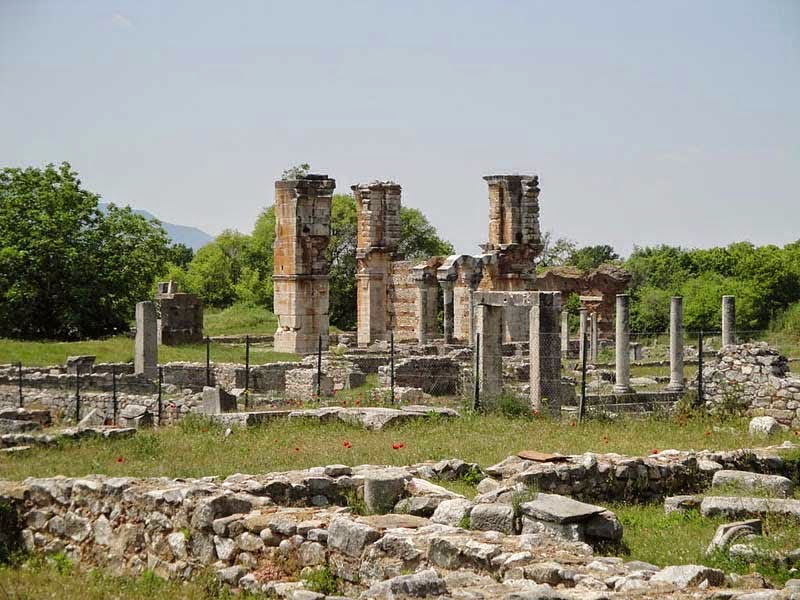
(233,320)
(195,448)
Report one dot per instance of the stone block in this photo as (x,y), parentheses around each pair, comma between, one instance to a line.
(80,364)
(216,401)
(774,485)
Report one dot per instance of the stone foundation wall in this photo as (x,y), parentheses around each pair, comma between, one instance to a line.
(436,375)
(753,379)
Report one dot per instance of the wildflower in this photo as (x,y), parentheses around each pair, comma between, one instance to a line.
(358,402)
(347,444)
(297,449)
(398,446)
(654,451)
(708,433)
(535,412)
(572,424)
(120,459)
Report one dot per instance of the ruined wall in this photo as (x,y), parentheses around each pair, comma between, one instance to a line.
(753,379)
(378,210)
(605,283)
(403,298)
(303,227)
(180,318)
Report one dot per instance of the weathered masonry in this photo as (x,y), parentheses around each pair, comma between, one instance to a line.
(180,316)
(378,209)
(302,231)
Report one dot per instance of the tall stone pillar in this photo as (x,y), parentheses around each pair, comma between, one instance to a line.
(623,384)
(545,351)
(582,330)
(145,357)
(489,324)
(378,212)
(422,311)
(676,383)
(302,232)
(565,332)
(728,320)
(593,343)
(449,312)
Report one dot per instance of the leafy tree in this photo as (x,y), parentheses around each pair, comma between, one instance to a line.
(418,238)
(180,255)
(556,252)
(68,270)
(591,257)
(218,268)
(342,258)
(296,172)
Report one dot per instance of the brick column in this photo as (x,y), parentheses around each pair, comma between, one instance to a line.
(422,311)
(489,323)
(449,313)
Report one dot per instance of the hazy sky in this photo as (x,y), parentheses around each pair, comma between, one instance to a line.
(647,122)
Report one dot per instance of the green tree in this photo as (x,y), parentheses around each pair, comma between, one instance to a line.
(587,258)
(418,238)
(219,268)
(68,270)
(556,251)
(180,255)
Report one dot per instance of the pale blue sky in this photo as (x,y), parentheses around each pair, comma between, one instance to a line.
(647,122)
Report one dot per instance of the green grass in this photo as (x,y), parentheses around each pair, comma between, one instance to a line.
(239,319)
(195,448)
(120,349)
(682,538)
(57,578)
(236,319)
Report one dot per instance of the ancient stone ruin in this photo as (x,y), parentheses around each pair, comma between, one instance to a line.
(180,316)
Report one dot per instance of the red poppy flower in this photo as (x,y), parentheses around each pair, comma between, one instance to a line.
(398,446)
(347,444)
(572,424)
(120,459)
(344,403)
(708,433)
(358,402)
(297,449)
(654,451)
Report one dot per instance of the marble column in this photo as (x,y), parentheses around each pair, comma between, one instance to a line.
(489,323)
(564,332)
(676,383)
(449,313)
(728,320)
(623,334)
(582,329)
(422,312)
(145,356)
(593,337)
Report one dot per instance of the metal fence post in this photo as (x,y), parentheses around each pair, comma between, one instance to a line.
(114,405)
(582,406)
(700,399)
(77,395)
(319,367)
(160,384)
(391,366)
(476,377)
(246,371)
(19,382)
(208,361)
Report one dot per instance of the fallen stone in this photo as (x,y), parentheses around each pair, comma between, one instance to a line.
(775,485)
(684,576)
(350,537)
(763,426)
(451,512)
(216,401)
(727,533)
(423,584)
(383,488)
(559,509)
(734,507)
(18,426)
(92,419)
(492,517)
(604,526)
(681,503)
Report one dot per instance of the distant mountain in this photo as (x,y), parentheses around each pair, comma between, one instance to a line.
(180,234)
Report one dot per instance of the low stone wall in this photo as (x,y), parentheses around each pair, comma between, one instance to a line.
(612,477)
(753,379)
(435,375)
